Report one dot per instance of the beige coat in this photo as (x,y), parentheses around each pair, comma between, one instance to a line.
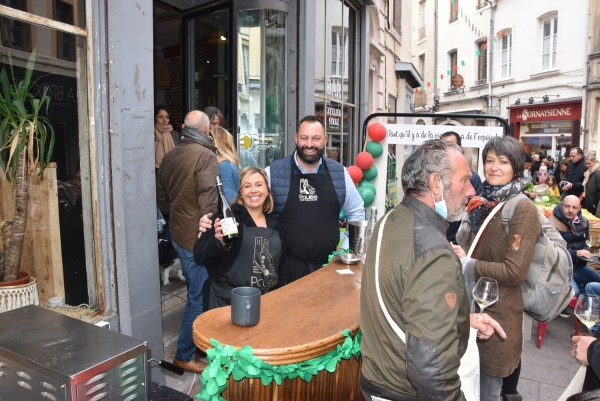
(506,258)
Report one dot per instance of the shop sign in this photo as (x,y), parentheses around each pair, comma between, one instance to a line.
(551,127)
(332,117)
(544,113)
(334,88)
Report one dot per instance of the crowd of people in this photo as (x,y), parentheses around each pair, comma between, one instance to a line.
(425,276)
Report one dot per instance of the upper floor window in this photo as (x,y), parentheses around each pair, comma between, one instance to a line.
(339,53)
(453,11)
(506,45)
(481,3)
(481,63)
(65,42)
(453,62)
(422,65)
(397,14)
(549,42)
(15,34)
(422,20)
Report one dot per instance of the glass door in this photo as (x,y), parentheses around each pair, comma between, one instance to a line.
(210,61)
(261,86)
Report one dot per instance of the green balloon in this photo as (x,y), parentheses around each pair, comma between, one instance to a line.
(367,184)
(370,174)
(374,148)
(367,196)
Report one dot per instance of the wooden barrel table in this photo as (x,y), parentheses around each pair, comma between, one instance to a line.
(298,322)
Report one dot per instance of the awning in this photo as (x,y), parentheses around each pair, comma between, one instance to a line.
(408,71)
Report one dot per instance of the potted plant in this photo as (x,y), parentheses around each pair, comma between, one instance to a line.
(26,145)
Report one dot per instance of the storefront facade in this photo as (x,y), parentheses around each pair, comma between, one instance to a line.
(264,63)
(549,128)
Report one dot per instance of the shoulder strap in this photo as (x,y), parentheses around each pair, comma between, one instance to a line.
(483,227)
(395,327)
(509,210)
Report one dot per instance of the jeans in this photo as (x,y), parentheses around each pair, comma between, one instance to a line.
(583,275)
(195,276)
(489,387)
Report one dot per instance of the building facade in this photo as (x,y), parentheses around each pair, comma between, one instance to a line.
(264,63)
(498,57)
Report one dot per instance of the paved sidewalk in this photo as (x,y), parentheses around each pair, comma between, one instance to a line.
(547,371)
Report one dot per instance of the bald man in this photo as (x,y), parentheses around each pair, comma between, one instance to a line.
(185,190)
(574,228)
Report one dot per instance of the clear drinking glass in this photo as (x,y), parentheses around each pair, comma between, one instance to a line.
(590,242)
(485,293)
(587,309)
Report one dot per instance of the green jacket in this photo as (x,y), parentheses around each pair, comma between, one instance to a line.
(424,292)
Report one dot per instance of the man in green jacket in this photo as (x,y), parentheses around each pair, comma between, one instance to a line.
(421,285)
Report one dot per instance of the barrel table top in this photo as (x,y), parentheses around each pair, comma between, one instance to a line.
(298,322)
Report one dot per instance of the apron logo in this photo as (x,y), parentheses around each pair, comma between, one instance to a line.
(307,193)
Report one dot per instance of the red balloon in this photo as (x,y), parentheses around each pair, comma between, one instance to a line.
(355,173)
(364,160)
(377,132)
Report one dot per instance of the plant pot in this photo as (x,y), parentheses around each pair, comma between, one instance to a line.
(14,296)
(22,278)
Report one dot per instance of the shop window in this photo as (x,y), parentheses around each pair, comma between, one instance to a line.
(65,82)
(15,34)
(453,11)
(506,44)
(397,15)
(549,42)
(339,53)
(481,63)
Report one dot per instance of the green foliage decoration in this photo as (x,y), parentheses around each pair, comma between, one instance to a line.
(224,361)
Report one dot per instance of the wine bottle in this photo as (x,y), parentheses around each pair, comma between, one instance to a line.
(369,230)
(226,215)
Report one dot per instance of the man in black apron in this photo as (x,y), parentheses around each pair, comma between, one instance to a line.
(309,192)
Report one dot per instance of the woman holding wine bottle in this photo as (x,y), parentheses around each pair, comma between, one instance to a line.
(502,257)
(254,257)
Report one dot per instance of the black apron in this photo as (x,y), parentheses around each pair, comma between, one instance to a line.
(257,265)
(310,221)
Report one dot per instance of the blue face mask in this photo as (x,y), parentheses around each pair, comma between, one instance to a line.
(440,207)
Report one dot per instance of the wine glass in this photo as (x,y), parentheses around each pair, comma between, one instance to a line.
(589,241)
(587,309)
(485,293)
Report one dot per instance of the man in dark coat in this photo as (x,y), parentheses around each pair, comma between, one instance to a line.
(572,184)
(574,228)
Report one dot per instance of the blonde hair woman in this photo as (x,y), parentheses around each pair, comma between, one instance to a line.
(237,264)
(229,163)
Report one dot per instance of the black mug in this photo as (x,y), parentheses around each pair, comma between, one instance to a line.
(245,306)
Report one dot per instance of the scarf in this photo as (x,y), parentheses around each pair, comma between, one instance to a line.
(163,142)
(480,206)
(199,136)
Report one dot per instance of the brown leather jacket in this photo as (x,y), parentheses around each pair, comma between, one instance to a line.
(506,258)
(186,188)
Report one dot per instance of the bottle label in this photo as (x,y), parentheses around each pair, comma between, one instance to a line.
(229,226)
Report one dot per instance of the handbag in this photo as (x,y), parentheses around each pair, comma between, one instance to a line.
(468,371)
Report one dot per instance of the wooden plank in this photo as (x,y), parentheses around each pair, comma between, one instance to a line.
(300,321)
(41,255)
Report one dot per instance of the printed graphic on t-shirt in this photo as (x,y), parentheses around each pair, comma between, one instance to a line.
(307,193)
(264,275)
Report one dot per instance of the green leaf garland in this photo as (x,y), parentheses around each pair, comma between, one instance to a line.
(224,360)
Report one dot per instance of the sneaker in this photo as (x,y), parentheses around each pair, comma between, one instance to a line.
(564,313)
